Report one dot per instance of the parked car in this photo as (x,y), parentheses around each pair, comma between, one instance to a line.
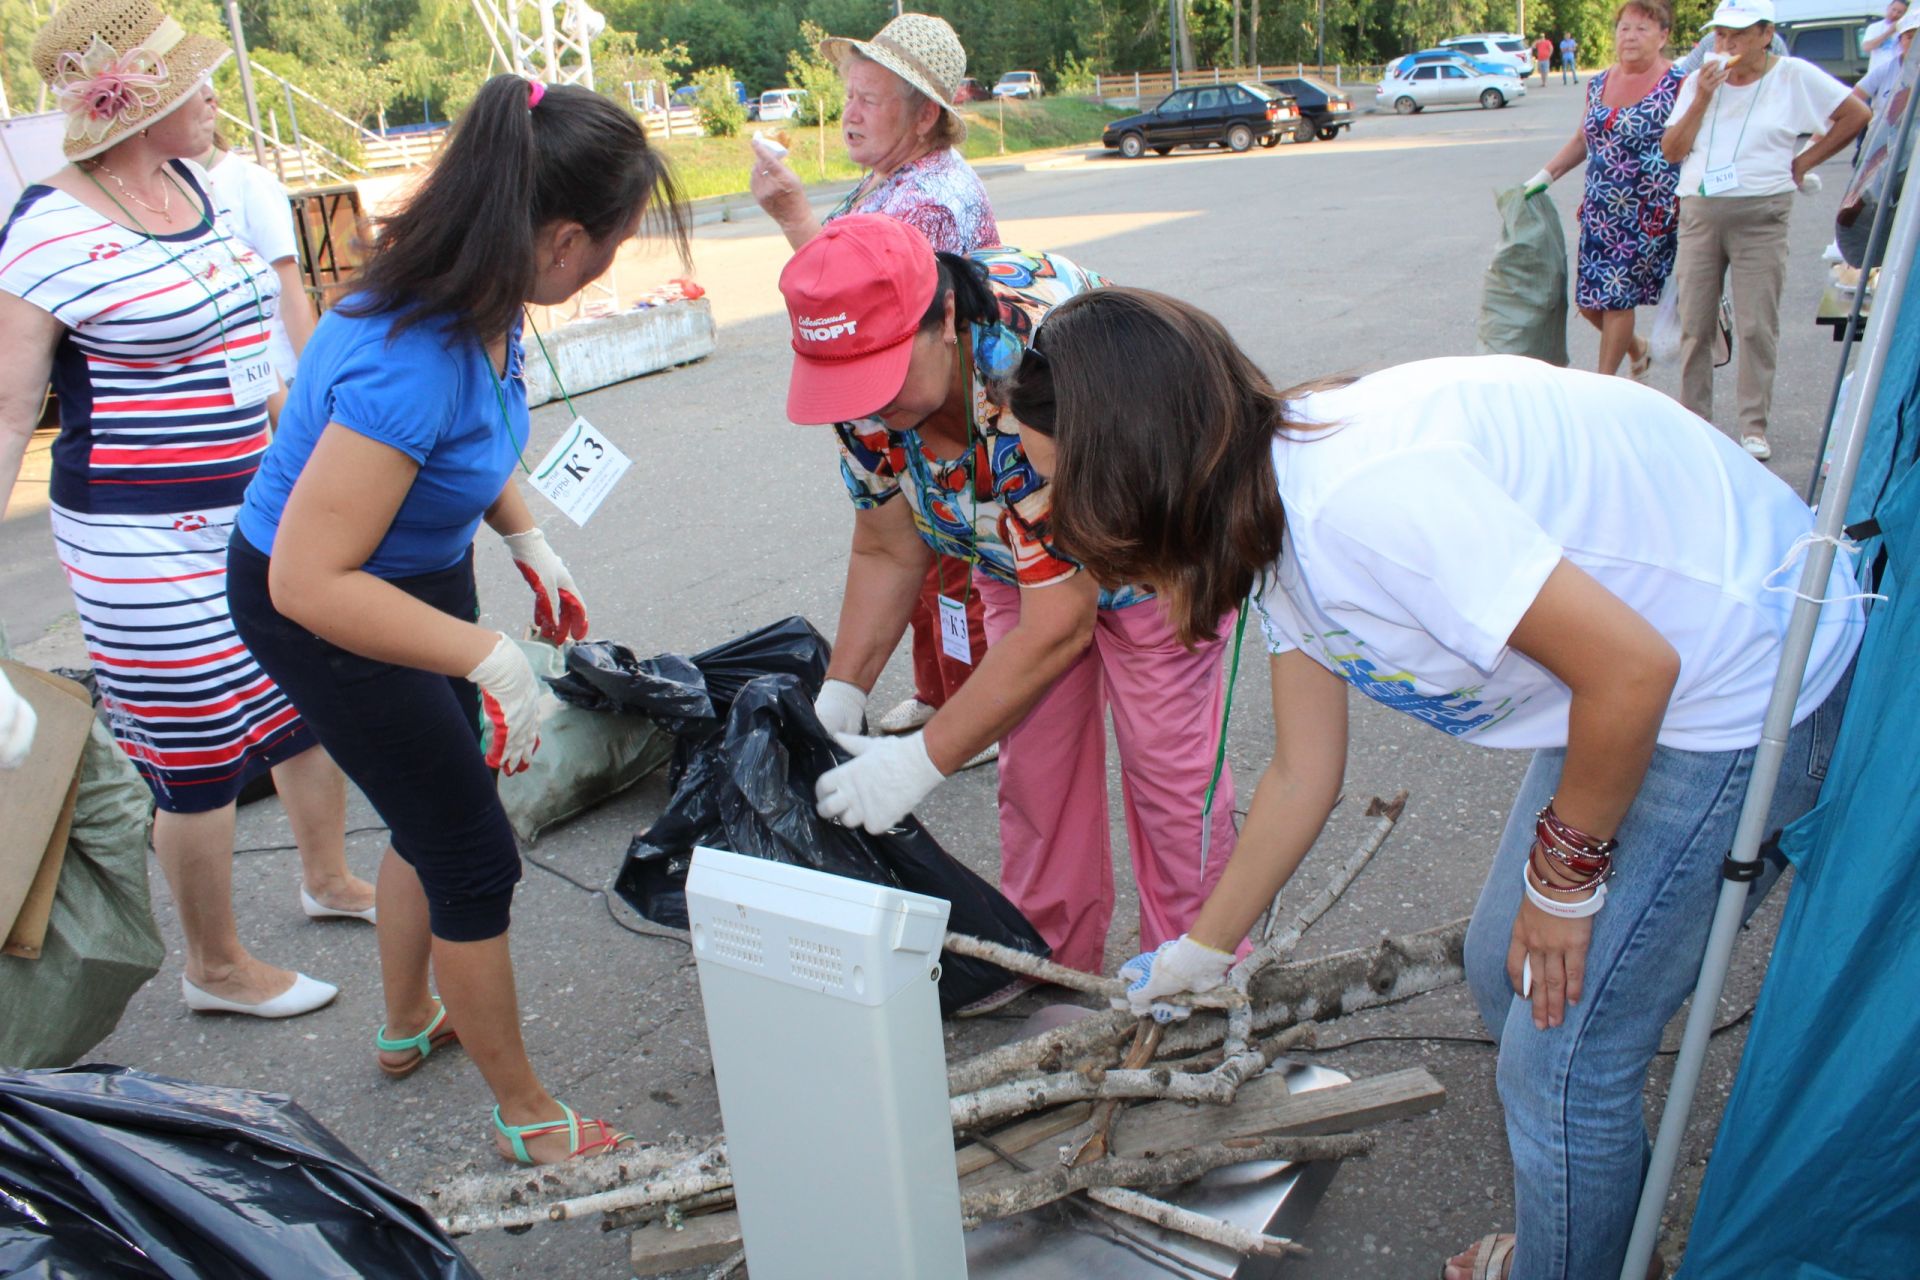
(1479,66)
(780,104)
(970,90)
(1495,46)
(1433,84)
(1234,116)
(1323,110)
(1019,84)
(1828,33)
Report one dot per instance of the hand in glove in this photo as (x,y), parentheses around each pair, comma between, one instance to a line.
(842,708)
(17,723)
(885,779)
(1173,968)
(557,612)
(510,697)
(1537,183)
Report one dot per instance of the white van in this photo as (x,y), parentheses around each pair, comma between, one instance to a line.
(780,104)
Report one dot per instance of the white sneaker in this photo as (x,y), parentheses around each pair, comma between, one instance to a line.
(1832,253)
(318,910)
(1757,446)
(304,996)
(905,718)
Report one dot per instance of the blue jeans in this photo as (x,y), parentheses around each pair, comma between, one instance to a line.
(1573,1094)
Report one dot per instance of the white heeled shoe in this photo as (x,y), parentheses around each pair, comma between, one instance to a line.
(304,996)
(318,910)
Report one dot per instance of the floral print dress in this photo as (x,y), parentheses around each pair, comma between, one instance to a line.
(1629,215)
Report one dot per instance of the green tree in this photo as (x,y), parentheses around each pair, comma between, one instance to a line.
(722,113)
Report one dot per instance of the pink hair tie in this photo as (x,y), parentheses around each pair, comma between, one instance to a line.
(535,91)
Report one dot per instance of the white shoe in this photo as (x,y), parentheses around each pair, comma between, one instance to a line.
(304,996)
(905,718)
(1832,253)
(987,756)
(318,910)
(1757,446)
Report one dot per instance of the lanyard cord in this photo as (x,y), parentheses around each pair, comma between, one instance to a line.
(1220,751)
(923,476)
(173,259)
(1713,126)
(497,382)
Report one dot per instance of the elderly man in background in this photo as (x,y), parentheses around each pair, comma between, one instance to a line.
(901,123)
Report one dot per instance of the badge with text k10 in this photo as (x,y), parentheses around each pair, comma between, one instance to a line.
(579,471)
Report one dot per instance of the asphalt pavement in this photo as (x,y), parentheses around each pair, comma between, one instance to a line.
(1321,258)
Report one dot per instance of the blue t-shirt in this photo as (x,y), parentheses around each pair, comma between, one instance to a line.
(428,392)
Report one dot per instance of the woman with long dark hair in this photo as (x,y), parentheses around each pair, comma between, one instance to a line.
(352,560)
(1522,557)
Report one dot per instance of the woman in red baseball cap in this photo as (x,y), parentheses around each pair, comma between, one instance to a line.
(903,347)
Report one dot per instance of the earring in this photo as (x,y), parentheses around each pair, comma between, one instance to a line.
(560,264)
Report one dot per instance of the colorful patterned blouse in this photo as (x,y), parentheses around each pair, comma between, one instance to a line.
(938,195)
(988,506)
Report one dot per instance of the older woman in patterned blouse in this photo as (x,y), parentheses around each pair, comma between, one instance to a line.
(901,123)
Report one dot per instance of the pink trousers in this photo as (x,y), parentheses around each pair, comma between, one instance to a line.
(1056,854)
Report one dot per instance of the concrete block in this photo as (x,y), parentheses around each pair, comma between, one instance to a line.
(599,352)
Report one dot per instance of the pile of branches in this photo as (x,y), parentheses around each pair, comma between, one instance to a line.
(1072,1084)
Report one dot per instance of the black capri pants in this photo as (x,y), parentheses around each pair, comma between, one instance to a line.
(408,738)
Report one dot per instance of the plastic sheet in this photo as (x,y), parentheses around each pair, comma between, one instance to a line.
(108,1172)
(1523,303)
(746,785)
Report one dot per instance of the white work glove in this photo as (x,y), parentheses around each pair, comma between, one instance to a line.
(842,708)
(885,779)
(510,697)
(1537,183)
(17,723)
(1175,968)
(558,614)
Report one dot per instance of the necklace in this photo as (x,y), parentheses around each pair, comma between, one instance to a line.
(166,193)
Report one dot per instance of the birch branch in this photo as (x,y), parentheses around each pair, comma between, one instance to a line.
(1188,1223)
(480,1201)
(1146,1041)
(1028,965)
(728,1267)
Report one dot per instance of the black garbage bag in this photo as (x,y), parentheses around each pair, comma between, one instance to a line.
(691,696)
(108,1172)
(761,790)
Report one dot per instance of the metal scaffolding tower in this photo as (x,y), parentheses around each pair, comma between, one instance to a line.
(550,40)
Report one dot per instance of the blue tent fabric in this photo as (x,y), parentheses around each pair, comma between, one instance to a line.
(1816,1170)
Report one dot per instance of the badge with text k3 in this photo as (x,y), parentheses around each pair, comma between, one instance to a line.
(954,641)
(579,471)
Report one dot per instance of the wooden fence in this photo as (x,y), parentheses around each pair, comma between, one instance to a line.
(1145,87)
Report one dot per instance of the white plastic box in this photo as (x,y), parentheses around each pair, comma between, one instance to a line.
(823,1014)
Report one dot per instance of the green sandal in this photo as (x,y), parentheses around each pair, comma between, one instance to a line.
(422,1045)
(517,1135)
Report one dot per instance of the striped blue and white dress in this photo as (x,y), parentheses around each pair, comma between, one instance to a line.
(153,457)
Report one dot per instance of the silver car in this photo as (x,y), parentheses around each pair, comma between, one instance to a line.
(1434,84)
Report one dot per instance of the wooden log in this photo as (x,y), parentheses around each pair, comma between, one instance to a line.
(1020,1137)
(1264,1108)
(659,1249)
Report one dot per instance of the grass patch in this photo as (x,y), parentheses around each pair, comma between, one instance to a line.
(719,166)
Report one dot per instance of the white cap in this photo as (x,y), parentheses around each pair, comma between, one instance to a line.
(1910,22)
(1737,15)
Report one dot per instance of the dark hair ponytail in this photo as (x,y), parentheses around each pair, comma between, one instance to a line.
(973,298)
(463,246)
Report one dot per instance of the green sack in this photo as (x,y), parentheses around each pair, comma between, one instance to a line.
(584,757)
(101,944)
(1523,306)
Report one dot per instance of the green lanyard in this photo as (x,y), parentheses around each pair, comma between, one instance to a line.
(497,382)
(1220,751)
(923,475)
(1713,125)
(173,259)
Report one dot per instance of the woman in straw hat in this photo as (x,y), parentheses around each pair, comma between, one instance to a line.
(121,282)
(900,122)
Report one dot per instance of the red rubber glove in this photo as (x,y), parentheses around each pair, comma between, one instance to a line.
(558,614)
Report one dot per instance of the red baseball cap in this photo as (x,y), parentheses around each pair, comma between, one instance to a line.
(855,294)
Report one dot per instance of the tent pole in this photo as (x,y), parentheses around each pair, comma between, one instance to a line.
(1773,739)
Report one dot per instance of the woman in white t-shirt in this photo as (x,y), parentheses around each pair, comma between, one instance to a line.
(260,212)
(1521,557)
(1735,133)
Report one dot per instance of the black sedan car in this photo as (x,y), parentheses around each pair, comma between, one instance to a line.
(1324,110)
(1234,116)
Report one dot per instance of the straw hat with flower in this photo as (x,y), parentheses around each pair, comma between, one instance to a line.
(919,48)
(116,67)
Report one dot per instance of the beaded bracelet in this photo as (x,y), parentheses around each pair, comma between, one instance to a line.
(1585,856)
